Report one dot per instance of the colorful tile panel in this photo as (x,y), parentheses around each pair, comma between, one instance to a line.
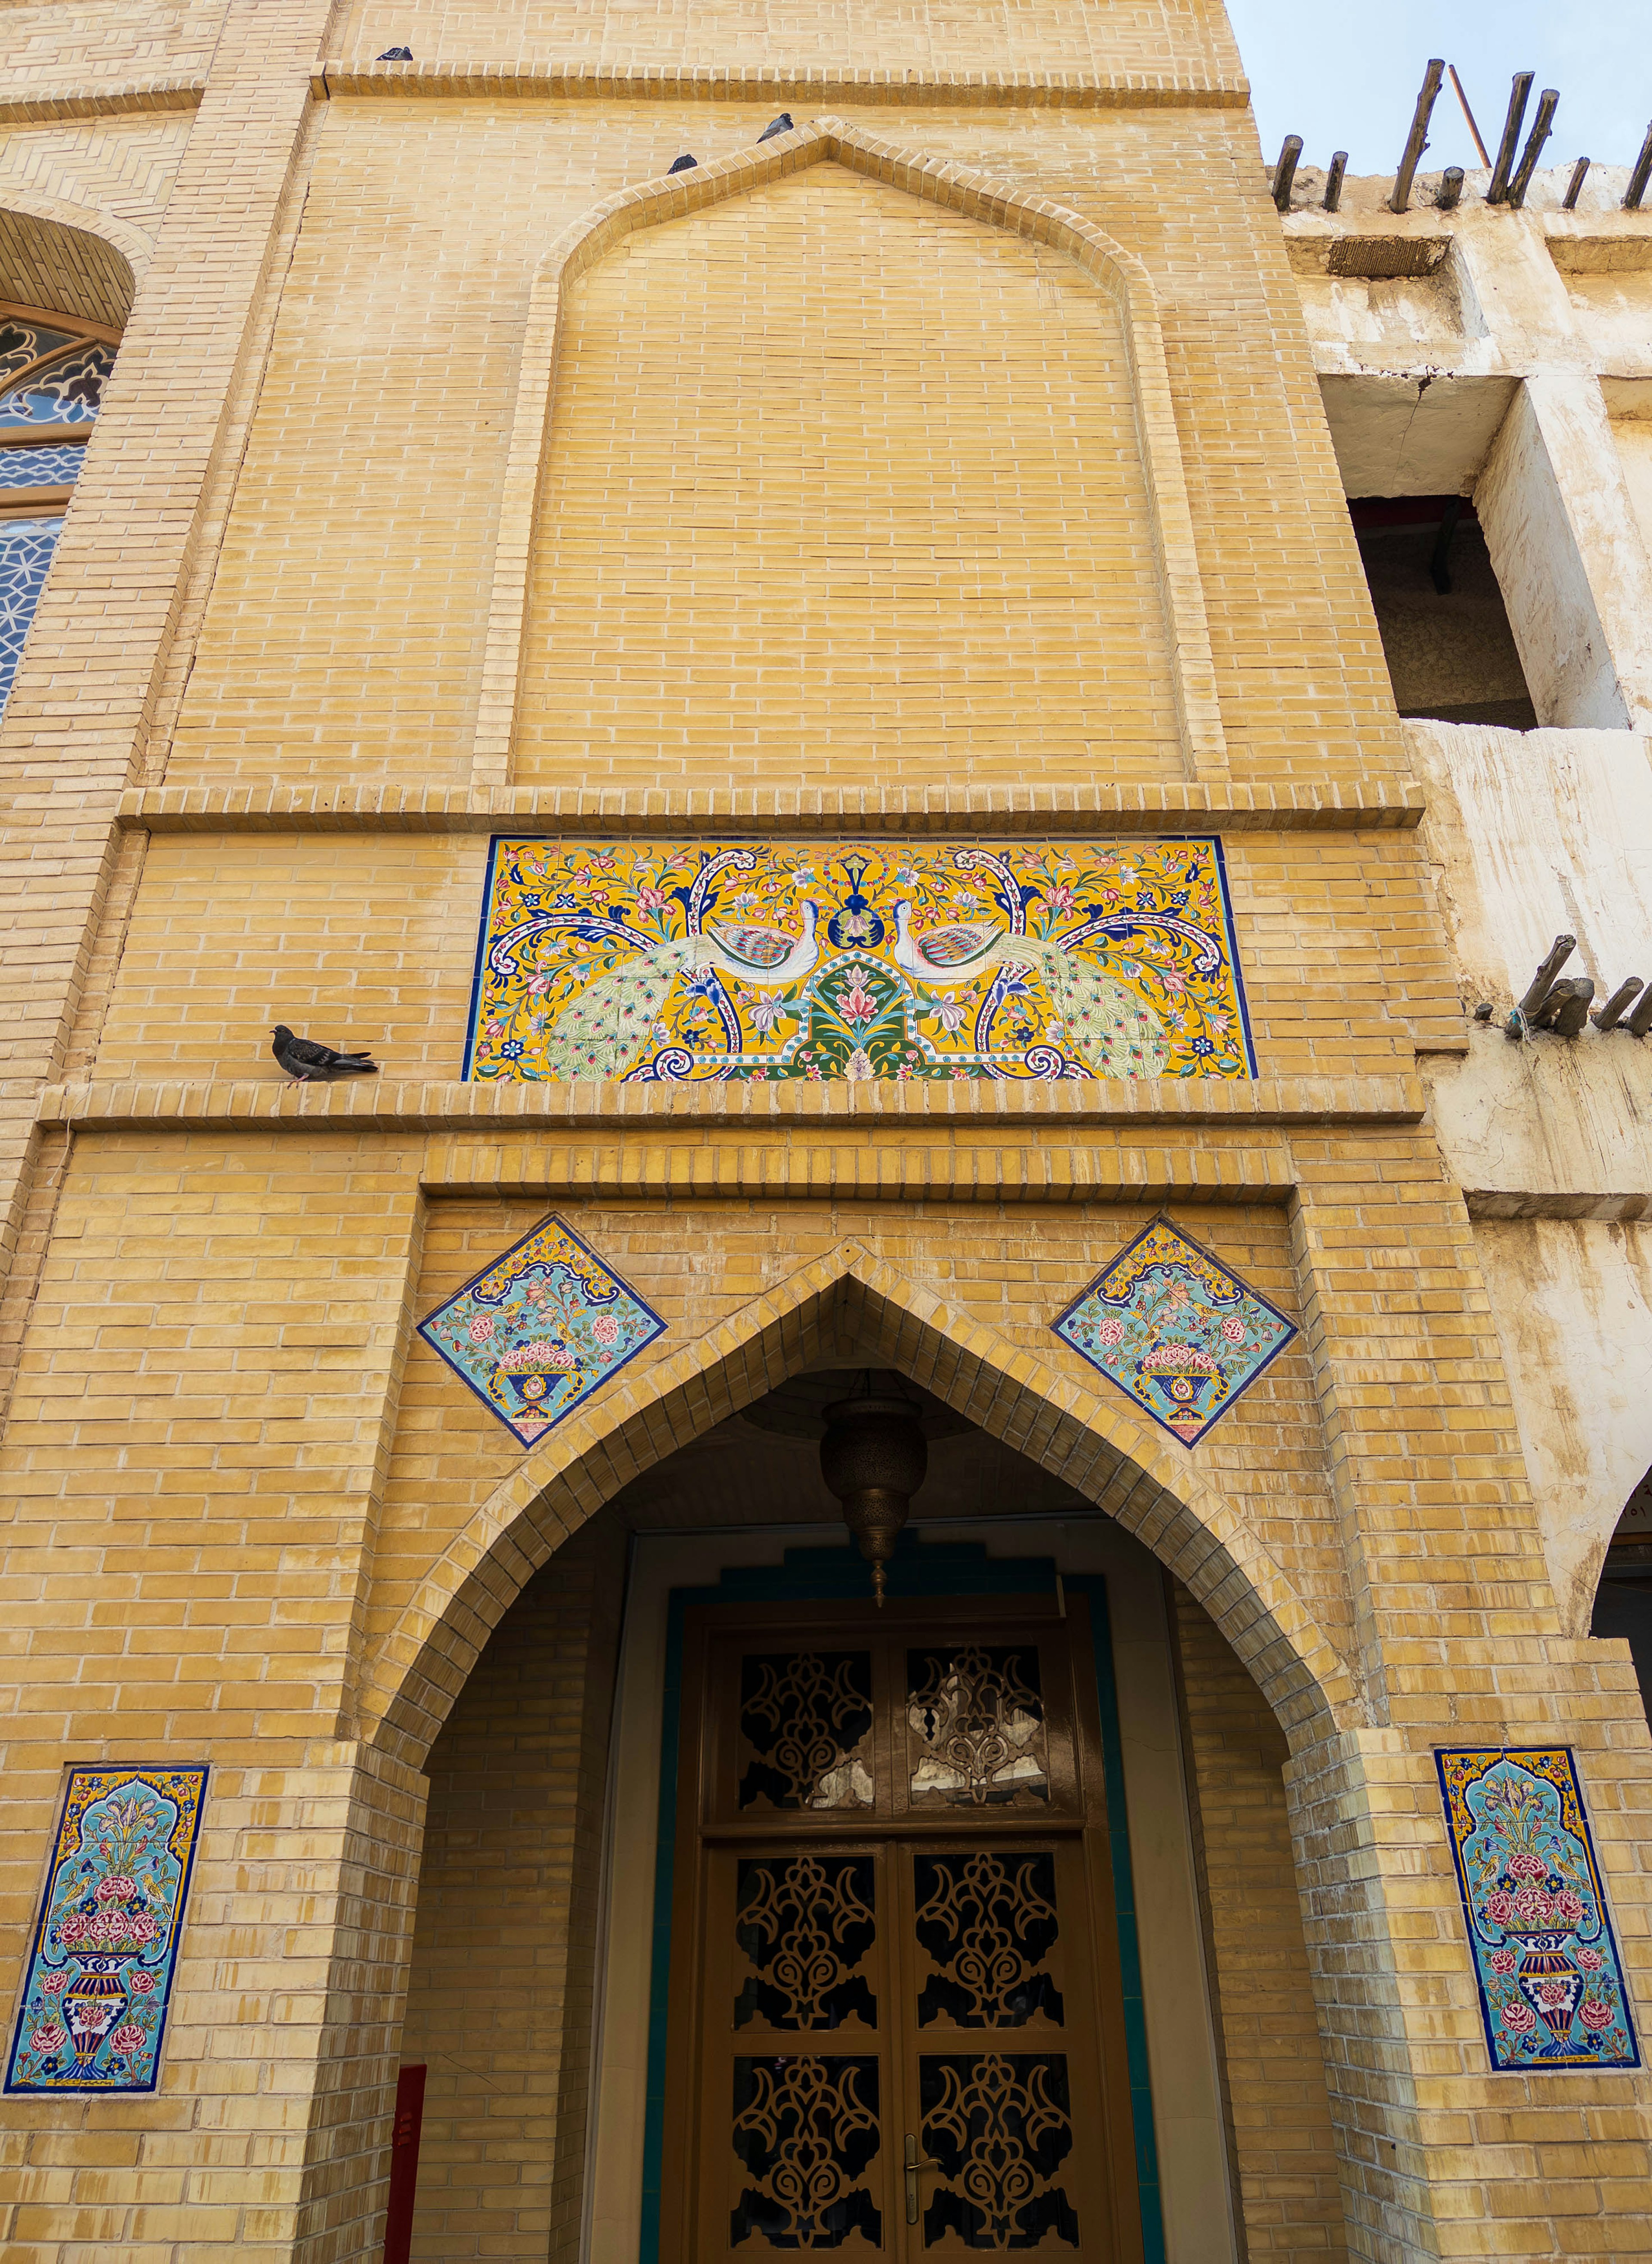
(540,1329)
(1175,1331)
(1551,1992)
(99,1976)
(653,962)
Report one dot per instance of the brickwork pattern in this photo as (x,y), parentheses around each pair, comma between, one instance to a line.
(1283,2144)
(1151,45)
(388,670)
(500,1991)
(247,1521)
(380,933)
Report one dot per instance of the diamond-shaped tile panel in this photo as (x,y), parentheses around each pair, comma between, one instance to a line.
(540,1329)
(1172,1327)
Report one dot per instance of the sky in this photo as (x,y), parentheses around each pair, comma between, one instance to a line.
(1345,77)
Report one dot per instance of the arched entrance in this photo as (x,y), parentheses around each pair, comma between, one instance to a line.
(607,1921)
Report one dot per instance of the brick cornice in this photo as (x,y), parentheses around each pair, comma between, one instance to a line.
(101,100)
(414,1105)
(345,75)
(1096,807)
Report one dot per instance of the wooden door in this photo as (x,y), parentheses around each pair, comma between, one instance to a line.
(895,2024)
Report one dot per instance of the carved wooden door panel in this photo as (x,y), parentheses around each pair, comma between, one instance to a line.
(896,2028)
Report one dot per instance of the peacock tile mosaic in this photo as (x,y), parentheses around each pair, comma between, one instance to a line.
(99,1980)
(1174,1330)
(1552,1992)
(540,1329)
(655,961)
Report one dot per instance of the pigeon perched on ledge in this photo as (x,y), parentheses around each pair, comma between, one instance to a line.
(303,1058)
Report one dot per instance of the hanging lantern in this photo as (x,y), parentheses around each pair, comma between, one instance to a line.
(873,1458)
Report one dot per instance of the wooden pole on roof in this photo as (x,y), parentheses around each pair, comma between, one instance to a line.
(1468,113)
(1417,140)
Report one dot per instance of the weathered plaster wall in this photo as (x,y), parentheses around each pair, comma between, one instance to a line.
(1572,1301)
(1534,834)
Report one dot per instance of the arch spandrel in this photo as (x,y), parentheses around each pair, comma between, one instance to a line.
(1090,1440)
(964,189)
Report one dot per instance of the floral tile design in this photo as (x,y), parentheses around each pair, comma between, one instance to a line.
(1174,1330)
(540,1329)
(660,961)
(1552,1992)
(99,1976)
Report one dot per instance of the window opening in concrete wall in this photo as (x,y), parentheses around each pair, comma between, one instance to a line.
(1446,634)
(1623,1601)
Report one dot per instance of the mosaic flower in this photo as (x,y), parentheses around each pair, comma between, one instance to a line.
(1550,1989)
(1159,1323)
(540,1330)
(112,1905)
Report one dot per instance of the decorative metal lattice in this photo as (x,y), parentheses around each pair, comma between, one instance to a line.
(805,1923)
(977,1722)
(999,2126)
(26,552)
(807,1717)
(22,343)
(805,2130)
(42,467)
(69,392)
(987,1922)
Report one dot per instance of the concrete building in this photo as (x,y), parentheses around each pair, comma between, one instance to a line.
(950,590)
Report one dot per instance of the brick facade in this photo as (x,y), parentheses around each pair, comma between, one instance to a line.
(442,487)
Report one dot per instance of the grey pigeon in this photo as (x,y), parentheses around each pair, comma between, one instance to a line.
(303,1058)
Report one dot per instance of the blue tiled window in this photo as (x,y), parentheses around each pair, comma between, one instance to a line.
(51,376)
(26,552)
(41,467)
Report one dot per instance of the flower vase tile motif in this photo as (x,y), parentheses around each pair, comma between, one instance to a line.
(1552,1992)
(1174,1330)
(539,1330)
(662,963)
(99,1976)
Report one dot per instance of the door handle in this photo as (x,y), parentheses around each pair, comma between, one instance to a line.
(915,2162)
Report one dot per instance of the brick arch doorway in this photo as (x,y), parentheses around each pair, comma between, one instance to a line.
(543,1965)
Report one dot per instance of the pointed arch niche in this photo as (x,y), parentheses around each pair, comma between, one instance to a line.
(833,465)
(529,1677)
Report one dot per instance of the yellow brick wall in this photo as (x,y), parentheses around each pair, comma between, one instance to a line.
(848,485)
(1155,40)
(105,45)
(500,1991)
(248,1519)
(695,1262)
(343,640)
(1283,2148)
(372,938)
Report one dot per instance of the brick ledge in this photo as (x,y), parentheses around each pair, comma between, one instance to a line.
(381,1104)
(710,83)
(1229,807)
(103,101)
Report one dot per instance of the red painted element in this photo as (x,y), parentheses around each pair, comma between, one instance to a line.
(405,2165)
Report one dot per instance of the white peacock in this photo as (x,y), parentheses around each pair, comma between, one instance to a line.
(600,1032)
(1105,1023)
